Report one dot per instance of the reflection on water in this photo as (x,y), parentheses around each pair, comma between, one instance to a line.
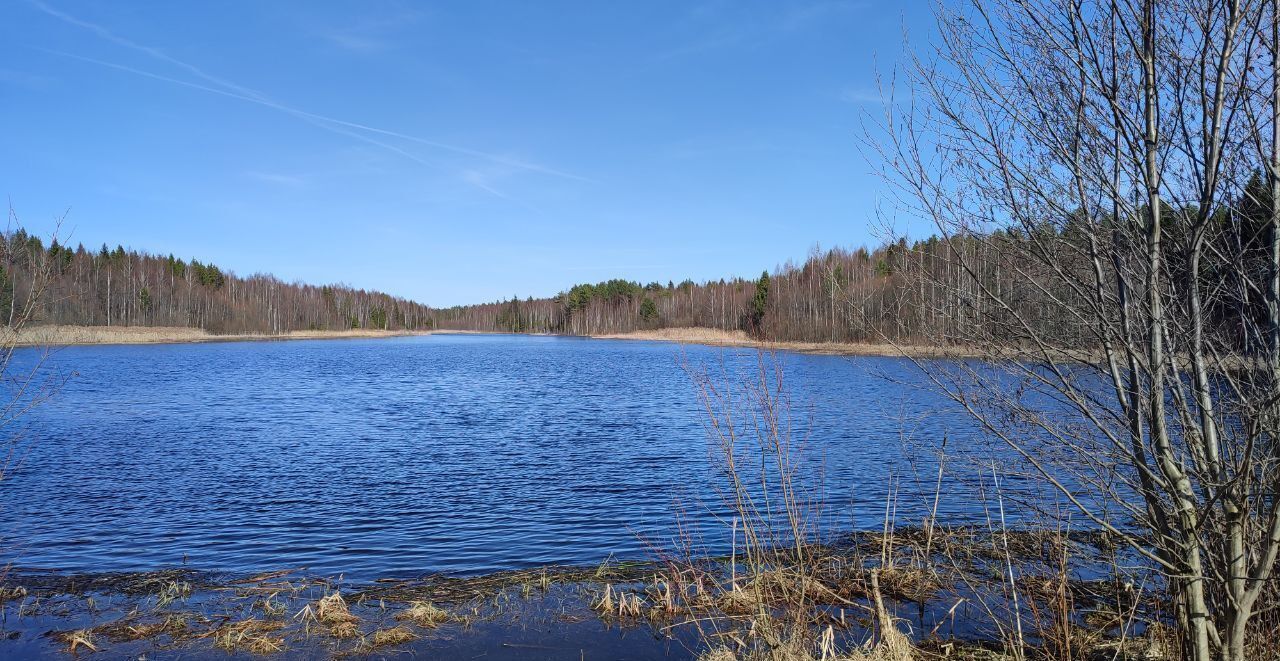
(440,453)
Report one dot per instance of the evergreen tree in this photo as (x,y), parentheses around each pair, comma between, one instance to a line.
(758,304)
(648,310)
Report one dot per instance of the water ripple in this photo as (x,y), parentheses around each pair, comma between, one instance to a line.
(442,453)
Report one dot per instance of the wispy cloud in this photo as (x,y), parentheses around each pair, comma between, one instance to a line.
(152,52)
(369,34)
(279,179)
(321,121)
(221,86)
(486,181)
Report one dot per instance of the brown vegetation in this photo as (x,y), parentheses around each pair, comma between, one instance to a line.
(724,338)
(43,336)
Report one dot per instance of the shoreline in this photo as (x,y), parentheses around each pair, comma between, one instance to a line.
(644,607)
(60,335)
(70,335)
(721,338)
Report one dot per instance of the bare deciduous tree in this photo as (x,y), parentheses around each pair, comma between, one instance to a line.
(1116,160)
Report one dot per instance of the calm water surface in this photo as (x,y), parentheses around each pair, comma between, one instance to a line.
(454,453)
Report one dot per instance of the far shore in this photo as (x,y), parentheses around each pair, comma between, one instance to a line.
(57,335)
(722,338)
(66,335)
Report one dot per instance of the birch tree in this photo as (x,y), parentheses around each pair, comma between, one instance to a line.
(1100,154)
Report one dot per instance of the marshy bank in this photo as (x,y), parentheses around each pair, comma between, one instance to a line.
(59,335)
(72,335)
(716,337)
(914,593)
(290,614)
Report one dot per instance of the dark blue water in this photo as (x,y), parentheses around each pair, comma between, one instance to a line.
(375,458)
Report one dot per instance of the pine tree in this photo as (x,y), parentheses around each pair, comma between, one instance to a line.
(759,302)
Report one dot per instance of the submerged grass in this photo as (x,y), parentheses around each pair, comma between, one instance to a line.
(133,628)
(845,604)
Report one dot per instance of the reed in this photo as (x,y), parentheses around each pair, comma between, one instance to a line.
(775,600)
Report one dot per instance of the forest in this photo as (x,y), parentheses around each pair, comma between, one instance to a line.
(835,295)
(129,288)
(923,292)
(943,290)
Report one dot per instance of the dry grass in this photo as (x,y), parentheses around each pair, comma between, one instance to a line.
(723,338)
(388,637)
(736,601)
(718,654)
(250,635)
(270,606)
(130,628)
(911,583)
(441,588)
(74,640)
(333,612)
(425,615)
(54,335)
(618,603)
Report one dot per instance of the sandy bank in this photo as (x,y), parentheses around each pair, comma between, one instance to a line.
(723,338)
(66,335)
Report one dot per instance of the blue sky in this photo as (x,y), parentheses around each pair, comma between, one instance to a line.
(449,152)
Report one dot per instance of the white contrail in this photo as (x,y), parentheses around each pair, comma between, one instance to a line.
(148,50)
(315,120)
(233,90)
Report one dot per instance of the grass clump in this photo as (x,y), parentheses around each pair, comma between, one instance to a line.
(425,615)
(173,591)
(74,640)
(333,612)
(129,629)
(387,637)
(736,601)
(721,653)
(619,603)
(250,635)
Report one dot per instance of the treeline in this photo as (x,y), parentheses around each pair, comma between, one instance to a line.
(119,287)
(957,290)
(938,291)
(835,295)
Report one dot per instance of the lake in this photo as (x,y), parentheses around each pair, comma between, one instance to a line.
(455,453)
